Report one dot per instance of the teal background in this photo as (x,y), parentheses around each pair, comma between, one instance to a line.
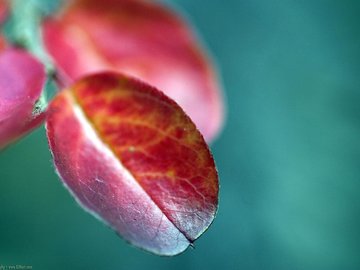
(288,156)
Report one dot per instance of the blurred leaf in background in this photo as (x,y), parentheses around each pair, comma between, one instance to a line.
(288,158)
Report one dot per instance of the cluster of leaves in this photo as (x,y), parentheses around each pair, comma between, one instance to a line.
(132,155)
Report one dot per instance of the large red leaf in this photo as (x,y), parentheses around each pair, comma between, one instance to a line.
(133,158)
(143,39)
(22,79)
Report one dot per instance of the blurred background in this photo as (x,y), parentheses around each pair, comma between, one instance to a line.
(288,156)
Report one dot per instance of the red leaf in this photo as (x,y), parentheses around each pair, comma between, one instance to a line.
(143,39)
(133,158)
(21,81)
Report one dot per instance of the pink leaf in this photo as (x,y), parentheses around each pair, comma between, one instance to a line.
(21,80)
(143,39)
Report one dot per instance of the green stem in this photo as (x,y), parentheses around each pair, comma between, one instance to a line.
(27,16)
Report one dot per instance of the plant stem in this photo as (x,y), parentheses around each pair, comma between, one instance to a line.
(27,16)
